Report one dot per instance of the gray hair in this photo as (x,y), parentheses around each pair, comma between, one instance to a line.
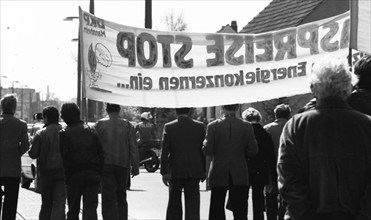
(9,103)
(330,77)
(251,115)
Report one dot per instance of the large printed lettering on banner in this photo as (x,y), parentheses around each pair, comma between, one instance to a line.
(142,67)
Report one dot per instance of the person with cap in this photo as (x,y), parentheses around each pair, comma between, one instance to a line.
(145,129)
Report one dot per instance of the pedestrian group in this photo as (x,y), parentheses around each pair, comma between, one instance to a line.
(314,165)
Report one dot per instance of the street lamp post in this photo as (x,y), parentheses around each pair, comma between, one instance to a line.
(22,101)
(16,81)
(71,18)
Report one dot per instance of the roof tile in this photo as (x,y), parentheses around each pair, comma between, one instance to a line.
(280,14)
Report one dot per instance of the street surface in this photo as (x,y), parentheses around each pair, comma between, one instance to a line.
(147,199)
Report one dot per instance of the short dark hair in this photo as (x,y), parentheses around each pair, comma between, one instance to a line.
(232,107)
(70,113)
(51,113)
(112,108)
(362,69)
(282,111)
(183,111)
(9,103)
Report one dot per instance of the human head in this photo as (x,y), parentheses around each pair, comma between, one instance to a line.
(51,113)
(230,108)
(112,108)
(70,113)
(251,115)
(183,111)
(145,116)
(362,69)
(9,103)
(330,77)
(282,111)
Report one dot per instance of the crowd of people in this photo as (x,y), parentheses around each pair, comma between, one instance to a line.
(314,165)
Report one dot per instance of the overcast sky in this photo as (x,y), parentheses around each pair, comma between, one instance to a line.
(36,46)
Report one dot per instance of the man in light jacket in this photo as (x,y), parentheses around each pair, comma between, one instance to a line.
(229,141)
(117,136)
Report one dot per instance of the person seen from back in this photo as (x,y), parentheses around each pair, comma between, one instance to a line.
(183,164)
(229,141)
(360,99)
(282,113)
(82,156)
(324,162)
(262,167)
(13,144)
(120,149)
(45,148)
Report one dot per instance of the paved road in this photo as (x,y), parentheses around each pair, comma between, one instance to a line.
(147,200)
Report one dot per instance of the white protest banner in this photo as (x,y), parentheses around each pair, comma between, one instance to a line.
(143,67)
(360,33)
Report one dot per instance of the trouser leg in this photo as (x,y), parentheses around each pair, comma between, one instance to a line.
(217,200)
(238,199)
(258,201)
(174,206)
(59,200)
(192,199)
(109,197)
(90,195)
(46,186)
(11,192)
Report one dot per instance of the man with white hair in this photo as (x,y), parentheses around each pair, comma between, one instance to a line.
(324,162)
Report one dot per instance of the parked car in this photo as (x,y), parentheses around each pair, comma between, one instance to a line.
(29,166)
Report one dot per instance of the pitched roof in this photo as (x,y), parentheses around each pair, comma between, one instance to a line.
(280,14)
(226,29)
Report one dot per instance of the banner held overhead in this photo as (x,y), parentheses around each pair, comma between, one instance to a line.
(143,67)
(361,25)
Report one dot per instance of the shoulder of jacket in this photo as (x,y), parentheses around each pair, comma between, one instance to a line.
(103,120)
(171,122)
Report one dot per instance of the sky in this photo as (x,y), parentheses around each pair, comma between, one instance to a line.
(36,47)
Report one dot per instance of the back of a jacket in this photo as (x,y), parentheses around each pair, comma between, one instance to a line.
(118,140)
(181,155)
(13,144)
(45,147)
(229,140)
(80,148)
(360,100)
(325,162)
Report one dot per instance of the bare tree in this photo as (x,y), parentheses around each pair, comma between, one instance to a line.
(175,22)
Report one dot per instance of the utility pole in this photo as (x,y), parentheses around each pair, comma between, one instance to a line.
(148,14)
(90,105)
(22,102)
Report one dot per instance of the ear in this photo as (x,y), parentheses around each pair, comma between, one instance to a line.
(313,89)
